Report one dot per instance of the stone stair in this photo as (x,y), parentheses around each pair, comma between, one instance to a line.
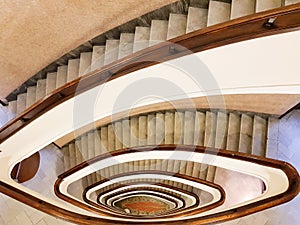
(235,131)
(160,30)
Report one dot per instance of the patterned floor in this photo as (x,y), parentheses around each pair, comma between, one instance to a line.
(285,146)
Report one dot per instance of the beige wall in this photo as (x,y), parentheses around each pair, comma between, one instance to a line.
(33,34)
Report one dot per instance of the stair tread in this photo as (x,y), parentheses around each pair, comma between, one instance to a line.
(141,38)
(126,44)
(73,69)
(40,89)
(51,82)
(263,5)
(31,96)
(242,8)
(85,62)
(196,19)
(177,25)
(97,60)
(246,133)
(158,31)
(259,136)
(111,51)
(61,76)
(218,12)
(21,103)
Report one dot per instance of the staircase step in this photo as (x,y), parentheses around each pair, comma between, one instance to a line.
(97,57)
(246,132)
(196,19)
(290,2)
(221,130)
(111,138)
(21,103)
(111,51)
(218,12)
(242,8)
(85,156)
(141,38)
(126,44)
(189,127)
(178,127)
(151,132)
(104,146)
(61,76)
(233,137)
(134,131)
(142,138)
(263,5)
(118,135)
(51,82)
(73,69)
(210,129)
(177,25)
(160,126)
(12,107)
(211,171)
(259,136)
(66,154)
(158,31)
(126,133)
(40,89)
(199,133)
(31,96)
(72,154)
(85,63)
(92,153)
(79,157)
(169,127)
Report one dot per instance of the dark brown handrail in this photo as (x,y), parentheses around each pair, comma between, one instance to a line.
(244,28)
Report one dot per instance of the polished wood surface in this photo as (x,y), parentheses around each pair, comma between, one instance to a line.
(26,169)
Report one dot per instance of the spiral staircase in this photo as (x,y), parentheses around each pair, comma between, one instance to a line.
(157,166)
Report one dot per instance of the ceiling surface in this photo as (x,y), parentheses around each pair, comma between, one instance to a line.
(35,33)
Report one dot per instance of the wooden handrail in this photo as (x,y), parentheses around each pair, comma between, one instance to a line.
(244,28)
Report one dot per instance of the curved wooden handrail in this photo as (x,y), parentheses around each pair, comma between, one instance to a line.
(106,211)
(244,28)
(289,194)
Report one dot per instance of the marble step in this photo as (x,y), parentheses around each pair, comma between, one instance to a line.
(85,156)
(221,130)
(218,12)
(158,31)
(242,8)
(21,103)
(290,2)
(169,127)
(40,89)
(61,79)
(134,134)
(85,63)
(72,154)
(199,133)
(210,129)
(141,38)
(31,96)
(118,135)
(196,19)
(126,45)
(66,154)
(111,51)
(211,172)
(177,25)
(160,126)
(142,135)
(151,129)
(92,152)
(126,133)
(79,157)
(233,135)
(97,57)
(73,69)
(259,136)
(104,146)
(51,82)
(98,148)
(12,107)
(246,132)
(263,5)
